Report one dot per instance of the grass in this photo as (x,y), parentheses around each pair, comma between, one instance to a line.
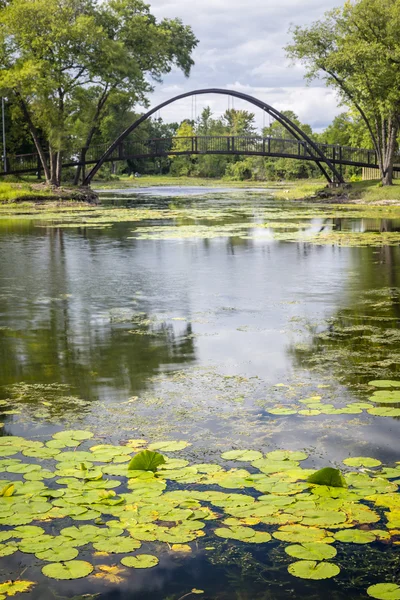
(161,180)
(369,192)
(373,191)
(11,192)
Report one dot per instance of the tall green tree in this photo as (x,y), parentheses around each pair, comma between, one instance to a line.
(65,61)
(356,50)
(239,122)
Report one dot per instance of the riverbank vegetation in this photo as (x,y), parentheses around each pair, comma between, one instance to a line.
(355,49)
(66,65)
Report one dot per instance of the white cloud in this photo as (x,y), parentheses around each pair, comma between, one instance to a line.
(242,47)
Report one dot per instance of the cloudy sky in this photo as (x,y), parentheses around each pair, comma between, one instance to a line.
(241,48)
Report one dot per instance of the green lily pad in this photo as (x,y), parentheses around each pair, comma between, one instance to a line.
(27,531)
(323,518)
(384,411)
(311,551)
(41,452)
(117,545)
(141,561)
(362,461)
(384,591)
(80,456)
(58,554)
(146,460)
(310,569)
(11,588)
(327,476)
(384,383)
(282,411)
(386,397)
(355,536)
(286,455)
(260,537)
(301,534)
(73,434)
(235,533)
(172,446)
(73,569)
(242,455)
(8,549)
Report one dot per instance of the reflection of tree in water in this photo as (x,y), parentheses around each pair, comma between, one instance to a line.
(112,357)
(57,339)
(362,340)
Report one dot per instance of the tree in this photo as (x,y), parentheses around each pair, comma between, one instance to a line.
(277,130)
(347,130)
(65,61)
(356,50)
(240,122)
(182,165)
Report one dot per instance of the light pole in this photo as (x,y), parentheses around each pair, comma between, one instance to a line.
(3,118)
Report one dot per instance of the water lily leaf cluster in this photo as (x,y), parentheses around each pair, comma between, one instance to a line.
(387,404)
(90,497)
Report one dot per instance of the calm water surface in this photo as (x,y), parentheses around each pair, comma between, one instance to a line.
(188,339)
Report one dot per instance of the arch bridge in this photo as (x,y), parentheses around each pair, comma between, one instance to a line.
(329,158)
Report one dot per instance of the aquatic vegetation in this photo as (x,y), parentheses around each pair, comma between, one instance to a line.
(328,476)
(384,591)
(172,501)
(146,460)
(310,569)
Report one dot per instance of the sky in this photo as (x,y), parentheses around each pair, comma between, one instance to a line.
(241,48)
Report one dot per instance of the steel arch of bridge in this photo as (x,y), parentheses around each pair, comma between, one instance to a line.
(291,127)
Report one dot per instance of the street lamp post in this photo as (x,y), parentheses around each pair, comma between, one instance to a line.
(3,118)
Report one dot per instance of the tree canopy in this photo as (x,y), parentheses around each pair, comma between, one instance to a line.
(66,62)
(356,50)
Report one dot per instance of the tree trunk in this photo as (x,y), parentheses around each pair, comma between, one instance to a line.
(35,137)
(58,167)
(53,167)
(81,167)
(390,149)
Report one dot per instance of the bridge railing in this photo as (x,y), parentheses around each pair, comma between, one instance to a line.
(132,148)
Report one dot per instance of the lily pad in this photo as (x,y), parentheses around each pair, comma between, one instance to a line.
(384,591)
(169,446)
(146,460)
(362,461)
(235,533)
(117,545)
(73,569)
(73,434)
(311,551)
(60,554)
(327,476)
(384,411)
(11,588)
(385,383)
(141,561)
(242,455)
(301,534)
(310,569)
(355,536)
(286,455)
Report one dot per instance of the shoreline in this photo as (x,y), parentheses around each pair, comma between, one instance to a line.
(15,194)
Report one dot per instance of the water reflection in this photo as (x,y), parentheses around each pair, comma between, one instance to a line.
(188,338)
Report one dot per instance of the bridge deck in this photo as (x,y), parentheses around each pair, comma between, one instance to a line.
(131,149)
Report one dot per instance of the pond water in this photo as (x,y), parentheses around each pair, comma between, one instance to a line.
(225,319)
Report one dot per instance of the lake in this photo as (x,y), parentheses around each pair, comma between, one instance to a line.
(200,323)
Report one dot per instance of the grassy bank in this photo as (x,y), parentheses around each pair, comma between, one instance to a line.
(13,193)
(167,180)
(372,191)
(368,192)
